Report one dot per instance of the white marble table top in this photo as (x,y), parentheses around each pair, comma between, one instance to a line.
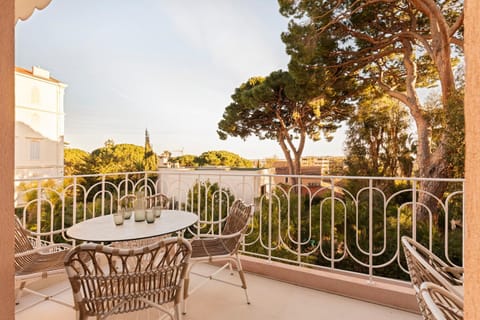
(103,229)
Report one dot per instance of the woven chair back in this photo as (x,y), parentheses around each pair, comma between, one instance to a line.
(108,280)
(441,303)
(22,244)
(425,266)
(127,201)
(237,222)
(158,200)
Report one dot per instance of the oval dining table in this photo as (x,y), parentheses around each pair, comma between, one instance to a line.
(103,228)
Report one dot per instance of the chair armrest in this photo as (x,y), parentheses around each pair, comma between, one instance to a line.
(455,272)
(217,236)
(45,250)
(35,241)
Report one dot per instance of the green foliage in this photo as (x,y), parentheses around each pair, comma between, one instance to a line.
(76,162)
(186,160)
(455,131)
(352,36)
(110,158)
(337,166)
(214,158)
(343,233)
(448,124)
(314,55)
(149,157)
(378,142)
(223,158)
(395,46)
(279,108)
(49,207)
(117,158)
(211,203)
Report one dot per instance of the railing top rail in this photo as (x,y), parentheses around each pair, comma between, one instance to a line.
(87,176)
(239,173)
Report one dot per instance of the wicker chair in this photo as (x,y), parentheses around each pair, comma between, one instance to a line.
(441,304)
(208,248)
(36,259)
(118,281)
(127,201)
(158,200)
(424,266)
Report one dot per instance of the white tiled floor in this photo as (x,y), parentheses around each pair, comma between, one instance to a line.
(269,300)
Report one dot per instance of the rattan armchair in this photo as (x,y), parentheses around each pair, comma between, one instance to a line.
(441,304)
(424,266)
(158,200)
(209,248)
(117,281)
(36,259)
(127,201)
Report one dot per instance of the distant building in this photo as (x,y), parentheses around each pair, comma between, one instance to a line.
(325,165)
(39,124)
(311,166)
(322,163)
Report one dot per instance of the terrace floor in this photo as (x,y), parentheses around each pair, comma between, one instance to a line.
(270,299)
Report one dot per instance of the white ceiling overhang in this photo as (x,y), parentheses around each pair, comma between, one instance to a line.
(25,8)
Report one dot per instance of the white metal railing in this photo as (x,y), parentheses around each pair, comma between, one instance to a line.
(335,222)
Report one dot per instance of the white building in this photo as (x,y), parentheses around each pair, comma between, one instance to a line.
(39,124)
(244,184)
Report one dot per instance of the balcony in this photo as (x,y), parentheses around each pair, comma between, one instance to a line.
(324,246)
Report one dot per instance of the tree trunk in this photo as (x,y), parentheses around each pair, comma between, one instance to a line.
(290,162)
(430,165)
(294,164)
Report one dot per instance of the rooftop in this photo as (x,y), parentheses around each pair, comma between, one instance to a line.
(38,73)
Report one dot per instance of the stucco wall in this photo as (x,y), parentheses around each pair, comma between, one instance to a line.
(39,115)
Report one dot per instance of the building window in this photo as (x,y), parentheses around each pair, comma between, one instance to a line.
(34,150)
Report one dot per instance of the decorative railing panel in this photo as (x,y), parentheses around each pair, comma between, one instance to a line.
(345,223)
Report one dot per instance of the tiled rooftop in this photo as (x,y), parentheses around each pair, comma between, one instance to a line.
(270,299)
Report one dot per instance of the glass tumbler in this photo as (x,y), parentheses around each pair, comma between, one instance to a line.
(149,216)
(139,215)
(157,211)
(118,218)
(127,212)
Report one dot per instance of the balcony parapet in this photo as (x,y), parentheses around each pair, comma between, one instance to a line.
(391,293)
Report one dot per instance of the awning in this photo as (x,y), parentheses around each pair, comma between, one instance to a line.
(25,8)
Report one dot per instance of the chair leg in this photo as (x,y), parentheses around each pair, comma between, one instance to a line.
(231,259)
(242,277)
(19,291)
(177,313)
(230,267)
(186,284)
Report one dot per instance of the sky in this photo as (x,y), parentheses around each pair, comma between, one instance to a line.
(166,66)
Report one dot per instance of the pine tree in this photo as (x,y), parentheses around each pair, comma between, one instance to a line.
(149,157)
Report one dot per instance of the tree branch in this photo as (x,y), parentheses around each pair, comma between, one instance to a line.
(454,28)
